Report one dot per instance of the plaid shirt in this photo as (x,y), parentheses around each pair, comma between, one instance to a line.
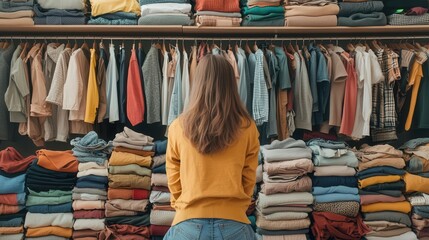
(383,117)
(216,21)
(260,91)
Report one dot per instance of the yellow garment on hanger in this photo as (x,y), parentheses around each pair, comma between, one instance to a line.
(415,79)
(100,7)
(92,95)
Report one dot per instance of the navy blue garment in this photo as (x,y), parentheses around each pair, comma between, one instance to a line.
(399,186)
(335,181)
(161,147)
(87,184)
(60,208)
(380,171)
(139,220)
(159,169)
(12,220)
(123,74)
(37,170)
(93,178)
(392,193)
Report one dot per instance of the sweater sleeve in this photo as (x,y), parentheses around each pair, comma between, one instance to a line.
(251,162)
(173,167)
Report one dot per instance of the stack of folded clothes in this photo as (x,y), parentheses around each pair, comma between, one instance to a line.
(384,206)
(336,199)
(162,214)
(90,192)
(16,12)
(218,13)
(114,12)
(127,214)
(166,12)
(283,203)
(60,12)
(13,167)
(406,12)
(304,13)
(50,180)
(251,211)
(361,13)
(257,13)
(416,154)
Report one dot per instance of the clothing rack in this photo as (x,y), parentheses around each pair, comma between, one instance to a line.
(275,38)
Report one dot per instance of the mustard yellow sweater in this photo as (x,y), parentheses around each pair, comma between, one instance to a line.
(217,185)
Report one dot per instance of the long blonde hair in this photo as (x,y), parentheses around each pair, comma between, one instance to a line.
(215,114)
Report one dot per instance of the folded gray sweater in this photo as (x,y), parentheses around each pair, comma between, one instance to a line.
(350,8)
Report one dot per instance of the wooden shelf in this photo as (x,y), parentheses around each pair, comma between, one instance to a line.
(91,30)
(309,31)
(193,31)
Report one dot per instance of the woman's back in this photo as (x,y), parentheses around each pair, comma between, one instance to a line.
(217,185)
(212,156)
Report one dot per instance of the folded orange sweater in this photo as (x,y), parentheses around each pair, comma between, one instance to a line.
(218,5)
(124,158)
(60,161)
(404,207)
(415,183)
(46,231)
(378,179)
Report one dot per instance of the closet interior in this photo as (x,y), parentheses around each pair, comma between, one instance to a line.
(343,117)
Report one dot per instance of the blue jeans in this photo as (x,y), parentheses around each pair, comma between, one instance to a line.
(210,229)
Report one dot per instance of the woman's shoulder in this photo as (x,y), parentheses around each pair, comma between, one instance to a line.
(249,126)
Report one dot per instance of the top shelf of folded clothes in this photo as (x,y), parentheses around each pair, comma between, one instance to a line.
(203,32)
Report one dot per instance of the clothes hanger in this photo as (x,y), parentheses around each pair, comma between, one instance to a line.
(290,48)
(75,47)
(296,46)
(24,51)
(183,45)
(255,47)
(163,50)
(68,43)
(247,48)
(94,44)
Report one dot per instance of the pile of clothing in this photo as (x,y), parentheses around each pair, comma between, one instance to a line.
(162,214)
(284,202)
(114,12)
(217,13)
(407,12)
(262,13)
(384,207)
(50,180)
(302,13)
(127,211)
(52,12)
(12,193)
(167,12)
(90,192)
(416,154)
(336,199)
(361,13)
(16,12)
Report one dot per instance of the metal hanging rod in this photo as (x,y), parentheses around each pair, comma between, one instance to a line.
(275,38)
